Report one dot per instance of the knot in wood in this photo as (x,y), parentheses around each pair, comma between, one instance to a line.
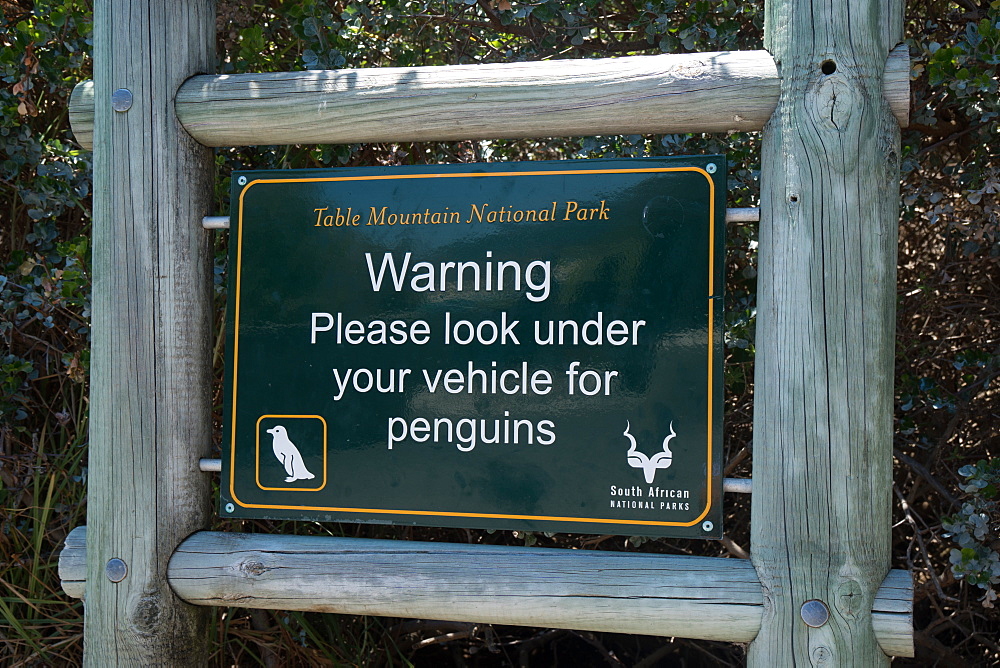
(850,599)
(821,655)
(146,616)
(833,103)
(689,69)
(253,568)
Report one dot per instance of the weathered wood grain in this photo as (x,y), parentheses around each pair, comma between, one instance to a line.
(81,114)
(896,83)
(706,92)
(694,597)
(892,614)
(73,563)
(150,403)
(823,429)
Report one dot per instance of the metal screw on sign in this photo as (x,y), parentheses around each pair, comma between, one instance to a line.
(707,526)
(815,613)
(121,100)
(242,180)
(116,570)
(230,507)
(710,168)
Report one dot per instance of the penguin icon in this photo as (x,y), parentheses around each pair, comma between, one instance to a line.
(286,453)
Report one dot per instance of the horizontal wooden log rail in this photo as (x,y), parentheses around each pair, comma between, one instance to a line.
(701,92)
(650,594)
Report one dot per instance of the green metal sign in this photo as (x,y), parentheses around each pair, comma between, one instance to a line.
(531,346)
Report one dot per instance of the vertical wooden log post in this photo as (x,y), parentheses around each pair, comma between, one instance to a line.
(825,331)
(151,365)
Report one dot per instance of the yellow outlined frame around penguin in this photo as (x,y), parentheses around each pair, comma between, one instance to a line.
(257,453)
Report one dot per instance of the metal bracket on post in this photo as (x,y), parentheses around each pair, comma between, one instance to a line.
(210,465)
(737,485)
(743,215)
(215,222)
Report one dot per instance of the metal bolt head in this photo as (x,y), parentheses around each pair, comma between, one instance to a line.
(230,507)
(121,100)
(815,613)
(707,526)
(116,569)
(242,180)
(711,168)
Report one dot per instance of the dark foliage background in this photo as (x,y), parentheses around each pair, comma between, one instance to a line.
(948,334)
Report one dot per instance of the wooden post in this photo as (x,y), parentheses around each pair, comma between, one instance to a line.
(151,368)
(825,331)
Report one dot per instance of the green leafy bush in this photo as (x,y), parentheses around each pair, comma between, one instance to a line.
(976,529)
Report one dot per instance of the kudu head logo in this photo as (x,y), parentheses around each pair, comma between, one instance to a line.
(649,465)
